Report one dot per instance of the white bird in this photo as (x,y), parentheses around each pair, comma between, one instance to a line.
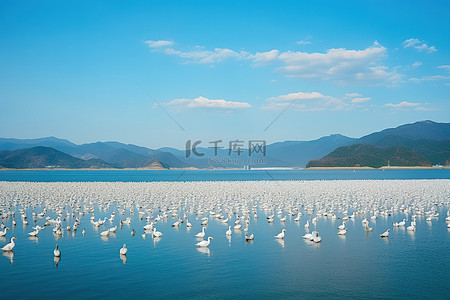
(228,232)
(188,224)
(201,234)
(237,227)
(10,246)
(205,243)
(104,233)
(34,233)
(56,252)
(411,227)
(113,229)
(317,238)
(307,236)
(251,237)
(156,233)
(123,250)
(3,233)
(342,227)
(342,232)
(385,234)
(368,229)
(307,224)
(281,234)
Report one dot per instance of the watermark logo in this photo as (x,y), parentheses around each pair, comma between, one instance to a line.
(236,152)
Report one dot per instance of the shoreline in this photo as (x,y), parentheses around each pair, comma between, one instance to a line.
(234,169)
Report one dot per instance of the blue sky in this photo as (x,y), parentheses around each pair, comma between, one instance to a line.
(137,71)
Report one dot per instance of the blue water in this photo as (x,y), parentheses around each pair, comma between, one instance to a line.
(219,175)
(359,265)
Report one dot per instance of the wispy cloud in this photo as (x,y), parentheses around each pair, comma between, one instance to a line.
(157,44)
(430,78)
(205,56)
(403,104)
(361,100)
(302,43)
(340,65)
(304,101)
(202,102)
(419,45)
(444,67)
(416,64)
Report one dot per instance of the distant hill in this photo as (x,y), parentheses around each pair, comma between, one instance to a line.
(361,155)
(427,138)
(422,130)
(45,157)
(297,154)
(114,153)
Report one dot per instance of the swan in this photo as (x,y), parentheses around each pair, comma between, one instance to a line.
(317,238)
(104,233)
(149,226)
(368,229)
(307,236)
(113,229)
(3,233)
(281,234)
(133,232)
(283,219)
(237,227)
(343,231)
(56,252)
(228,232)
(123,250)
(188,224)
(205,243)
(10,246)
(34,233)
(307,224)
(251,237)
(385,234)
(205,222)
(411,227)
(83,231)
(156,233)
(201,234)
(342,227)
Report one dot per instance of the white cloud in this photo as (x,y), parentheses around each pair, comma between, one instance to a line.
(444,67)
(264,57)
(302,101)
(205,56)
(157,44)
(361,100)
(208,103)
(339,65)
(430,78)
(302,43)
(416,64)
(352,95)
(404,104)
(419,45)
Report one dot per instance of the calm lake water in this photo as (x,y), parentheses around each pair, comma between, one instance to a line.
(358,265)
(220,175)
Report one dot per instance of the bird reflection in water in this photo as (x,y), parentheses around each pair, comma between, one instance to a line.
(56,259)
(123,258)
(204,250)
(10,255)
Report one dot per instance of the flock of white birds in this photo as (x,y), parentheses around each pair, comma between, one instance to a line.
(232,203)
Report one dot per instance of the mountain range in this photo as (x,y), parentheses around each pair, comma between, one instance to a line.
(428,142)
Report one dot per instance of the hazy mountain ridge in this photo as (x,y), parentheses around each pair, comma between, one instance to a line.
(429,139)
(363,155)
